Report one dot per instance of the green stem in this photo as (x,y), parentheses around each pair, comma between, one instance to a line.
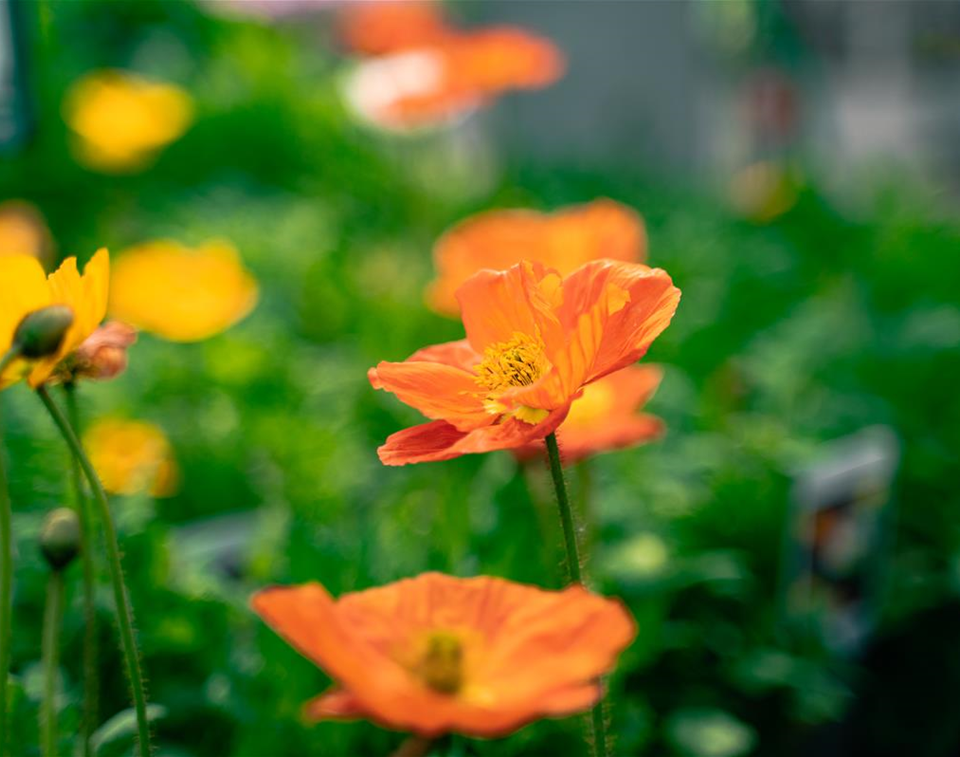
(598,742)
(6,581)
(122,601)
(91,663)
(50,654)
(566,514)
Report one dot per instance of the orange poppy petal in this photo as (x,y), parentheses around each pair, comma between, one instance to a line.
(438,391)
(440,440)
(618,433)
(613,311)
(495,305)
(459,354)
(563,240)
(375,28)
(334,704)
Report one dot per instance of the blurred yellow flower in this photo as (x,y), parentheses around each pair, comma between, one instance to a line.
(179,293)
(122,120)
(23,231)
(25,288)
(132,457)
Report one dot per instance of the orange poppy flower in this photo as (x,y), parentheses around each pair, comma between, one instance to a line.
(437,654)
(605,417)
(564,240)
(433,84)
(534,340)
(378,28)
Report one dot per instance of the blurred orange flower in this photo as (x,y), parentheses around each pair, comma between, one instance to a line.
(179,293)
(534,340)
(25,288)
(132,457)
(563,240)
(437,654)
(605,417)
(389,26)
(437,83)
(23,231)
(122,120)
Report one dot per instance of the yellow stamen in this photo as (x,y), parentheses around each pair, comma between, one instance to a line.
(440,663)
(517,362)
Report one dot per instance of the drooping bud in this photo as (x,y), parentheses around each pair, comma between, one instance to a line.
(41,332)
(60,537)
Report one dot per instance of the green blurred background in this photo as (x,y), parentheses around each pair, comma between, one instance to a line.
(839,313)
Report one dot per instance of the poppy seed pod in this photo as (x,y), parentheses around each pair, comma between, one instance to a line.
(60,537)
(41,332)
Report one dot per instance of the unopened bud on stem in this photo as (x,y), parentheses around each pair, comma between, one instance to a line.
(60,537)
(41,332)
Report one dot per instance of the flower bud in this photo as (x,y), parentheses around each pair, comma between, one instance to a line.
(103,354)
(41,332)
(60,537)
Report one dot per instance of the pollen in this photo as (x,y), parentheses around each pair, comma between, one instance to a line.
(517,362)
(439,663)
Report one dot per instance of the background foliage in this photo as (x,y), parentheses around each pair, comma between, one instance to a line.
(789,334)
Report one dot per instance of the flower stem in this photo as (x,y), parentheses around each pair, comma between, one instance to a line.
(50,654)
(566,514)
(91,666)
(598,742)
(124,611)
(6,581)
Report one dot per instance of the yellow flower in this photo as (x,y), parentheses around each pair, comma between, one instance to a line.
(132,457)
(23,231)
(122,120)
(179,293)
(25,288)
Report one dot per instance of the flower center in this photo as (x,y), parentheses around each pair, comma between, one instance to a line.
(440,662)
(517,362)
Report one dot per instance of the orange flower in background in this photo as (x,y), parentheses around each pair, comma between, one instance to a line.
(563,240)
(25,288)
(122,120)
(23,231)
(179,293)
(132,457)
(535,339)
(437,654)
(389,26)
(605,417)
(434,84)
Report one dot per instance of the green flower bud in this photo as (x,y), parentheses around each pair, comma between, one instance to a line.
(60,537)
(41,332)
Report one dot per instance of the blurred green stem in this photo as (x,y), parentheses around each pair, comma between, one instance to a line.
(91,667)
(50,655)
(6,580)
(598,743)
(122,601)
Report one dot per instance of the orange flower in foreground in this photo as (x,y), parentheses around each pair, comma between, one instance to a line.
(563,240)
(606,418)
(436,654)
(434,84)
(534,340)
(377,28)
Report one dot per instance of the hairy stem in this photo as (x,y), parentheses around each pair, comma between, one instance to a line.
(128,641)
(50,654)
(6,581)
(91,663)
(598,742)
